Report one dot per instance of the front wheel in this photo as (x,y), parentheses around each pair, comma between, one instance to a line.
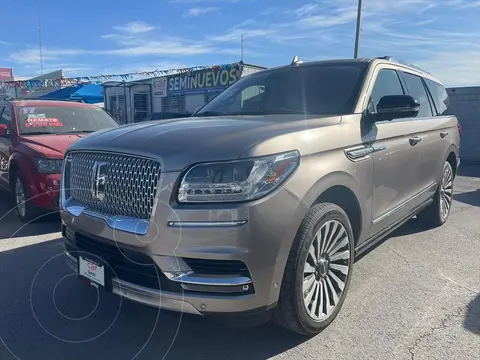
(25,209)
(437,213)
(318,271)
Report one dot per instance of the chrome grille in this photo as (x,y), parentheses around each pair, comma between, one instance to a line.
(130,183)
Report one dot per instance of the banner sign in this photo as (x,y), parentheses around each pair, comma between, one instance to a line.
(200,81)
(6,74)
(159,87)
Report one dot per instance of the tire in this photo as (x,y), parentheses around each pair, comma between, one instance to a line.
(26,212)
(291,311)
(437,213)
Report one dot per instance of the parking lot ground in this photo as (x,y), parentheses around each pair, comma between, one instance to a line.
(415,296)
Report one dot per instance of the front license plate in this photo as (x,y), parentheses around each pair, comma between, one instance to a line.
(92,270)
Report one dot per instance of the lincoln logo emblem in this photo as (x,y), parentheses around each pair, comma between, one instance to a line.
(99,179)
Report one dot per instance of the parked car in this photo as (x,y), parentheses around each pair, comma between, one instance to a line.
(259,203)
(34,135)
(165,116)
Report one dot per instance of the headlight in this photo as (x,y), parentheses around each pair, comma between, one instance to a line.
(49,166)
(240,180)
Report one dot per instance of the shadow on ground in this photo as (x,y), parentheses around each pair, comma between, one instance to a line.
(470,198)
(469,170)
(11,226)
(472,317)
(60,317)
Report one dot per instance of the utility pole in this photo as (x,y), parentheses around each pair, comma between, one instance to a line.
(241,49)
(40,49)
(359,29)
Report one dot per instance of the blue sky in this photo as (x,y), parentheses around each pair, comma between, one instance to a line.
(116,36)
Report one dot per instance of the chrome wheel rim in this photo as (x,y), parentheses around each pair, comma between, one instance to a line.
(446,193)
(3,163)
(20,197)
(326,270)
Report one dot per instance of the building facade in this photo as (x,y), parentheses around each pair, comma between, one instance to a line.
(178,93)
(465,103)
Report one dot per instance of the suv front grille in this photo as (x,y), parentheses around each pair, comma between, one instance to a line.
(130,183)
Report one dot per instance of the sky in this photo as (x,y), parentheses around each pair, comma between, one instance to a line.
(94,37)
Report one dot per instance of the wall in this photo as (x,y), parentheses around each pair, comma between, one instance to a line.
(466,105)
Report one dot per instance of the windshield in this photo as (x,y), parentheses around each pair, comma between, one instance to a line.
(62,120)
(325,89)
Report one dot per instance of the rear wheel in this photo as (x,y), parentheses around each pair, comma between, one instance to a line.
(318,271)
(437,213)
(25,209)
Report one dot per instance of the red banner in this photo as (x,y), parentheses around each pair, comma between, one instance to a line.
(6,74)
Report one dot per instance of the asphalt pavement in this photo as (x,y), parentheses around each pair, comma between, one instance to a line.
(414,296)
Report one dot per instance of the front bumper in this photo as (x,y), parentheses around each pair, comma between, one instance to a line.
(45,191)
(212,259)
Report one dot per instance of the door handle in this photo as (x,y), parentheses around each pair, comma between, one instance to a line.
(414,140)
(443,134)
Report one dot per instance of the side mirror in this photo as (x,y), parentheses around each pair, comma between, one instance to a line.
(396,107)
(4,131)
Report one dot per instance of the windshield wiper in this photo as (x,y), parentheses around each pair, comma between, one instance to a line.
(211,113)
(38,133)
(77,132)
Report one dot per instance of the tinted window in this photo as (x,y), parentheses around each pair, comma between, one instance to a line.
(440,97)
(324,89)
(6,118)
(62,119)
(387,83)
(416,89)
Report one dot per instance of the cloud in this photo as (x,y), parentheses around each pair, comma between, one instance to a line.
(32,55)
(164,47)
(204,1)
(197,11)
(2,42)
(134,27)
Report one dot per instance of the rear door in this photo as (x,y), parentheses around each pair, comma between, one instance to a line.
(396,161)
(445,124)
(429,130)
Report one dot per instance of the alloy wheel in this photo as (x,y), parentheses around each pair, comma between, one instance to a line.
(446,193)
(20,197)
(326,270)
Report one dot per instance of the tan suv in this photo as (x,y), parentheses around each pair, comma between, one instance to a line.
(259,203)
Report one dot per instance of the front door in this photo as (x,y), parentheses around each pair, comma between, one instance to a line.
(397,160)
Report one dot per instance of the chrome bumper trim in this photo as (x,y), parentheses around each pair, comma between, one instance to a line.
(166,300)
(121,223)
(181,224)
(193,279)
(143,295)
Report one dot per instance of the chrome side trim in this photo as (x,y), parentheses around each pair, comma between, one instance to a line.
(405,203)
(358,153)
(377,148)
(121,223)
(206,223)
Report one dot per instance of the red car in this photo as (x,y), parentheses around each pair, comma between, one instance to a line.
(33,138)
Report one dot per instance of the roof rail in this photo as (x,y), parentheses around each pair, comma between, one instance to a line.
(398,61)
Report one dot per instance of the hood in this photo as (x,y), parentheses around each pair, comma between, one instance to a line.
(50,145)
(178,143)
